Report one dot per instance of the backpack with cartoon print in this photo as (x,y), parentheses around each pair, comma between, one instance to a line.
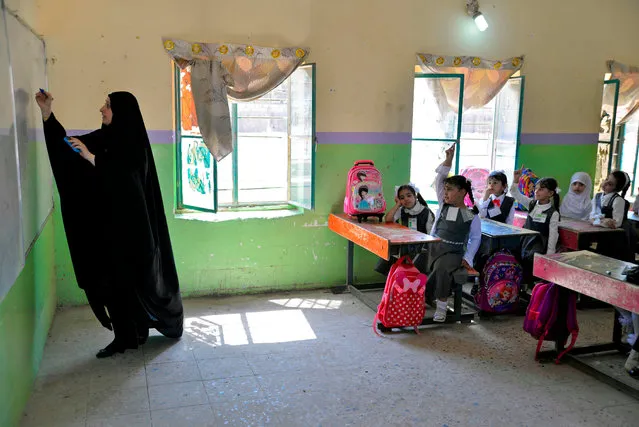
(364,194)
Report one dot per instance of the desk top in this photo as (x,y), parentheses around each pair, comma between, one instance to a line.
(591,274)
(376,237)
(633,217)
(579,226)
(492,228)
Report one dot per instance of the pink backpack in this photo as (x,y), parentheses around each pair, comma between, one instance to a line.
(479,178)
(364,195)
(500,284)
(403,299)
(541,317)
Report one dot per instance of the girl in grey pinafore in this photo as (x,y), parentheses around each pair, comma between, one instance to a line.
(459,229)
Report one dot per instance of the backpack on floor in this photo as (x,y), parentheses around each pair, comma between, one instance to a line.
(526,186)
(403,301)
(500,284)
(364,193)
(541,317)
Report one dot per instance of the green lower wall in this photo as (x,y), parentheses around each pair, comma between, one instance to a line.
(559,161)
(235,257)
(25,317)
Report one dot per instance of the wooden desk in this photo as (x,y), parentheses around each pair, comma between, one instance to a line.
(577,235)
(499,234)
(599,277)
(385,240)
(379,238)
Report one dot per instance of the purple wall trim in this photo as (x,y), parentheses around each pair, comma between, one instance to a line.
(559,138)
(363,137)
(396,138)
(155,136)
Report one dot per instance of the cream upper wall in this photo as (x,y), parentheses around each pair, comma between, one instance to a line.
(364,50)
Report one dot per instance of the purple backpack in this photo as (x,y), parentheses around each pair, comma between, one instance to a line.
(541,317)
(500,284)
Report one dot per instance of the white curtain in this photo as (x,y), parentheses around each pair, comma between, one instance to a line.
(223,71)
(483,78)
(628,102)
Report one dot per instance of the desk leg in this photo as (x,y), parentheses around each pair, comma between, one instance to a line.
(349,263)
(349,270)
(616,330)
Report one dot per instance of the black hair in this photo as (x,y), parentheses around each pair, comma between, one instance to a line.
(361,174)
(550,184)
(362,188)
(462,183)
(623,183)
(410,188)
(499,176)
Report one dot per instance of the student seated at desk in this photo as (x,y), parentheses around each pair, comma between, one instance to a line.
(543,217)
(410,210)
(610,209)
(458,228)
(576,204)
(496,205)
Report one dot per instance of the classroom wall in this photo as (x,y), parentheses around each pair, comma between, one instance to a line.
(365,53)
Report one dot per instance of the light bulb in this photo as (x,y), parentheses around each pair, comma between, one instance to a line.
(480,21)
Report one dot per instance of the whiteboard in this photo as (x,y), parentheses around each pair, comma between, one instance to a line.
(28,69)
(11,241)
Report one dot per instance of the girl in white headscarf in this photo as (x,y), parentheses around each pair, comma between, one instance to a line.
(577,203)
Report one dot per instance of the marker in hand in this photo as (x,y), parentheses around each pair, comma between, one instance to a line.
(42,91)
(68,141)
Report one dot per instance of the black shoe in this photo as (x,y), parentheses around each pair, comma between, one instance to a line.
(634,372)
(110,350)
(474,290)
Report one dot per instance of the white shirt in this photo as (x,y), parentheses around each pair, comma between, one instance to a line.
(618,206)
(474,237)
(553,233)
(483,207)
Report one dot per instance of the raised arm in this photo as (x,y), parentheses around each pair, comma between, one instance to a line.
(442,173)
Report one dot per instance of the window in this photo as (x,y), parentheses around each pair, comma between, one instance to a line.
(487,137)
(272,163)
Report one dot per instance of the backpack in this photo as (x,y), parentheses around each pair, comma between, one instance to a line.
(479,179)
(364,195)
(541,317)
(526,185)
(500,284)
(403,301)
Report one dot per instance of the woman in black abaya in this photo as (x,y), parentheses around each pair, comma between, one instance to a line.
(115,224)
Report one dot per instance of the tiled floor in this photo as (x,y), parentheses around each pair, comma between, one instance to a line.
(311,359)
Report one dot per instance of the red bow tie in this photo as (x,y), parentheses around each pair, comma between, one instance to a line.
(496,202)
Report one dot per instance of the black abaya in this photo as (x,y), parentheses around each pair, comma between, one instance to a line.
(115,224)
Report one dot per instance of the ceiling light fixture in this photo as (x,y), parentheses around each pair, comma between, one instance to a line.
(472,8)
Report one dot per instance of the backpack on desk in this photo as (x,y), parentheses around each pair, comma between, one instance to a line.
(541,317)
(500,284)
(403,301)
(364,194)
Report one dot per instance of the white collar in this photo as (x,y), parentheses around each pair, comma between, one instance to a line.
(500,198)
(543,208)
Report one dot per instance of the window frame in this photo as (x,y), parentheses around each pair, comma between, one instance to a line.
(181,207)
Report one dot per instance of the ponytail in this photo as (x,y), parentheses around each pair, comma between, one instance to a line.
(469,190)
(421,200)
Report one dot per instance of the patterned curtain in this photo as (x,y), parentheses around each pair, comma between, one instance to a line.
(628,102)
(483,78)
(223,71)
